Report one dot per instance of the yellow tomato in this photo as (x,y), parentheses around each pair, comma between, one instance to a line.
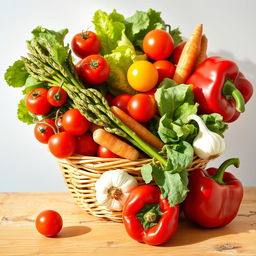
(142,76)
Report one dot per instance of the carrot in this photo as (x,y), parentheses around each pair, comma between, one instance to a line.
(139,129)
(202,55)
(114,144)
(188,56)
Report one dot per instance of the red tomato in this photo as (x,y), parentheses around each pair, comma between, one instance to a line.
(106,153)
(85,43)
(177,52)
(142,107)
(75,123)
(56,96)
(62,144)
(49,223)
(121,101)
(43,132)
(165,69)
(158,44)
(94,69)
(37,103)
(85,145)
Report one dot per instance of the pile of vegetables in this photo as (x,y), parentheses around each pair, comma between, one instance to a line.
(138,90)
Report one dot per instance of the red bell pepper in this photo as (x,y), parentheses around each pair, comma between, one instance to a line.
(148,218)
(214,196)
(219,87)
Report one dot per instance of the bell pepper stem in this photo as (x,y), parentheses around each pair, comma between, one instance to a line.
(230,91)
(218,177)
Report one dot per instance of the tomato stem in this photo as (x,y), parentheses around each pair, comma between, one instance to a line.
(93,64)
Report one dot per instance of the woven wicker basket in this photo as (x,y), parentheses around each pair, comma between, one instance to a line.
(81,172)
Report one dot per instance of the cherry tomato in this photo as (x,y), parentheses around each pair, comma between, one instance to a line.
(158,44)
(142,76)
(94,69)
(37,103)
(165,69)
(121,101)
(62,144)
(49,223)
(106,153)
(43,131)
(85,145)
(75,123)
(177,52)
(142,107)
(85,43)
(56,96)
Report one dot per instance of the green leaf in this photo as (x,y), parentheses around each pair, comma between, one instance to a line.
(31,84)
(170,96)
(109,28)
(16,74)
(173,185)
(24,115)
(120,60)
(137,22)
(179,156)
(175,131)
(176,35)
(55,39)
(147,171)
(138,25)
(214,122)
(183,111)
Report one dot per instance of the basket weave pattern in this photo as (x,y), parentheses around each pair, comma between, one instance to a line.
(81,173)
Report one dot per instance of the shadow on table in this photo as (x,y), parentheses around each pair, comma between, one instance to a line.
(73,231)
(186,228)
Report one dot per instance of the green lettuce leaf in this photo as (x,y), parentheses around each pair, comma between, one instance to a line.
(120,60)
(16,75)
(170,96)
(215,123)
(31,84)
(179,156)
(53,38)
(109,28)
(173,185)
(24,115)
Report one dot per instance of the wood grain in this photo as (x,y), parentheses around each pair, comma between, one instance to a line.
(83,234)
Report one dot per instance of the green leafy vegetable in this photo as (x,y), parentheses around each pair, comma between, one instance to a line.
(24,115)
(215,123)
(120,60)
(54,39)
(171,179)
(109,28)
(176,35)
(16,75)
(31,83)
(179,156)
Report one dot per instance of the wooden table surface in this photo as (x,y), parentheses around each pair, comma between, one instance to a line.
(83,234)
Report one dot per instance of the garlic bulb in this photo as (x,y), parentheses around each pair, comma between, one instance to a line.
(207,144)
(113,187)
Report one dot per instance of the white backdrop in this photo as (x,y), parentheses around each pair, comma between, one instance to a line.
(26,165)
